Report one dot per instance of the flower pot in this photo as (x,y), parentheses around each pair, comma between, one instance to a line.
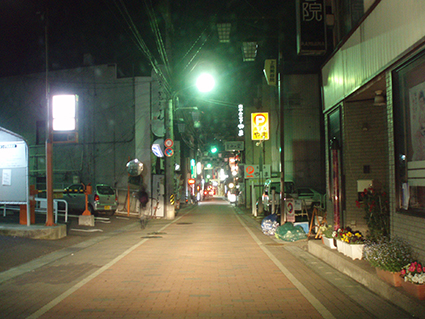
(417,291)
(392,278)
(356,251)
(328,242)
(342,247)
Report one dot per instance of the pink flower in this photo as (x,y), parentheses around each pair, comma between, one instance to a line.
(412,267)
(403,272)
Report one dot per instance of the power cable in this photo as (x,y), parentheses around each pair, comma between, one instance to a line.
(157,33)
(140,43)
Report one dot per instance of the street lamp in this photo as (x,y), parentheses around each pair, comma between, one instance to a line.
(205,82)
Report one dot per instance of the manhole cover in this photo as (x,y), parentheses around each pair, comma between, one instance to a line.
(275,244)
(184,223)
(157,233)
(151,237)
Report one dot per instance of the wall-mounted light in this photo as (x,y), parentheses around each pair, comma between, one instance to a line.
(379,98)
(223,30)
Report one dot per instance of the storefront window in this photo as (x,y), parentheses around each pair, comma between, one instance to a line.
(409,124)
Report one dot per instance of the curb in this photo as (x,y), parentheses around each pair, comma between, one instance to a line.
(366,278)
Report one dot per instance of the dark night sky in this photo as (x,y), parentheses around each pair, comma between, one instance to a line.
(80,26)
(75,28)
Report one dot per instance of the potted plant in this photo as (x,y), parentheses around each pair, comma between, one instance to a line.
(414,280)
(355,242)
(327,238)
(340,244)
(389,256)
(349,242)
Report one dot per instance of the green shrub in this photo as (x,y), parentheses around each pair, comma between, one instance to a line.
(391,255)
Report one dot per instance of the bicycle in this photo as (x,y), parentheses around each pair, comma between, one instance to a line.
(151,213)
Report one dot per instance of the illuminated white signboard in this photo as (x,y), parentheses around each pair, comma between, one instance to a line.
(240,117)
(64,112)
(260,126)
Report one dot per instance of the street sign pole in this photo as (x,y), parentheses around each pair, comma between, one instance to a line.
(169,162)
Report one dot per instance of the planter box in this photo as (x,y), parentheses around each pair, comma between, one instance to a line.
(392,278)
(417,291)
(356,251)
(352,251)
(341,246)
(328,242)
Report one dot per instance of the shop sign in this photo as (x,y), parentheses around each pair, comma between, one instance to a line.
(290,210)
(253,171)
(260,126)
(234,146)
(311,27)
(270,71)
(241,125)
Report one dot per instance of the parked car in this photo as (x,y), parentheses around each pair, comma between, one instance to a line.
(102,199)
(274,183)
(310,196)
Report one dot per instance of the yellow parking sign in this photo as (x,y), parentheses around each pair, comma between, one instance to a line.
(260,126)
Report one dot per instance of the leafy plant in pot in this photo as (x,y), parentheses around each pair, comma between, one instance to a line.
(327,231)
(389,256)
(327,237)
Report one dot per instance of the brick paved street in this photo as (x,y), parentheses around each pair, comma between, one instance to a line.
(212,261)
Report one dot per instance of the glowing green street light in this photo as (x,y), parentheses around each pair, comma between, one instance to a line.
(205,82)
(213,149)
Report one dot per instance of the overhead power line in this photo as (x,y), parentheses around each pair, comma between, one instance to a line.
(140,43)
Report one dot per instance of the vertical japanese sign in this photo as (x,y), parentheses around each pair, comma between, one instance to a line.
(311,27)
(260,126)
(270,71)
(240,120)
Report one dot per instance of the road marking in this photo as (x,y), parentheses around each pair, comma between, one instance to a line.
(304,291)
(77,286)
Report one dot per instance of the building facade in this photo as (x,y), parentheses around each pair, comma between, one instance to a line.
(373,105)
(114,125)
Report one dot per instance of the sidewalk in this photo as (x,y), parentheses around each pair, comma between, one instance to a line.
(358,270)
(212,261)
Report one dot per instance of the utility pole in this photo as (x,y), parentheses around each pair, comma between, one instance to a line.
(169,124)
(49,140)
(169,163)
(281,105)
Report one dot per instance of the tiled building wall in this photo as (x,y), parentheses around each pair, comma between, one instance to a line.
(365,155)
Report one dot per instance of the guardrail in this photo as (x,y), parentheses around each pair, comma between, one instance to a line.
(41,207)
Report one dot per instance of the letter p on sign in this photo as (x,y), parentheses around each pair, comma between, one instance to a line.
(260,126)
